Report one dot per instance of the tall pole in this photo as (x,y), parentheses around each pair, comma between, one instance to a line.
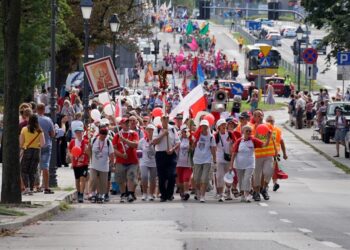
(299,43)
(53,160)
(86,84)
(114,63)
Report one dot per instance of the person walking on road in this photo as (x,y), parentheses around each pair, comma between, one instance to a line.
(204,156)
(166,141)
(300,108)
(125,145)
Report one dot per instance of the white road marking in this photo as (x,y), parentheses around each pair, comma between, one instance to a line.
(286,221)
(263,204)
(330,244)
(273,212)
(304,230)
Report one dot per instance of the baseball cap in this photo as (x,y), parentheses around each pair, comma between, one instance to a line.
(204,123)
(183,126)
(231,119)
(105,121)
(220,122)
(244,115)
(79,129)
(124,120)
(150,126)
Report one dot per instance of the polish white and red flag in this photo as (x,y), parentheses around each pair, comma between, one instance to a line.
(192,103)
(118,108)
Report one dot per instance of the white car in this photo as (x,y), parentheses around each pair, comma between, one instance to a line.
(276,39)
(289,32)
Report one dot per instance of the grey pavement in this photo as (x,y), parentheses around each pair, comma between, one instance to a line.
(309,211)
(39,206)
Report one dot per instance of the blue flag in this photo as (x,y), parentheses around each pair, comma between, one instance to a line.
(193,84)
(200,74)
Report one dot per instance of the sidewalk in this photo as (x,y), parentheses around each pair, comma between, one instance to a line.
(41,206)
(327,150)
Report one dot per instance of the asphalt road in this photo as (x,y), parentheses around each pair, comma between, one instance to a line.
(310,211)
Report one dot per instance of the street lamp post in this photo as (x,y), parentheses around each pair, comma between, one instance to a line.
(114,25)
(300,33)
(86,9)
(53,160)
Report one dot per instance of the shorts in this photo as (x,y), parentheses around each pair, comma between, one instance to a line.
(263,167)
(126,173)
(309,116)
(148,173)
(340,135)
(183,174)
(45,157)
(201,173)
(80,172)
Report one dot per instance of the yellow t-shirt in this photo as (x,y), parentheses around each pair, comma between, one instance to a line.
(28,137)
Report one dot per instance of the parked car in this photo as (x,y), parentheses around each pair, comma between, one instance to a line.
(265,21)
(289,32)
(328,126)
(277,84)
(227,86)
(317,45)
(347,145)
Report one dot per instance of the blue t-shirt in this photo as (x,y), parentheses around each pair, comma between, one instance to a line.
(47,126)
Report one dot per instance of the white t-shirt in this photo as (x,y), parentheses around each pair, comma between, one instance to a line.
(224,145)
(202,153)
(173,139)
(100,154)
(148,153)
(246,155)
(184,159)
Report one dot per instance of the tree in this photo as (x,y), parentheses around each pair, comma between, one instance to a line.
(332,16)
(11,18)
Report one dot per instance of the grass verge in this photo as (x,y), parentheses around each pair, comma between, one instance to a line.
(263,106)
(10,212)
(337,164)
(64,206)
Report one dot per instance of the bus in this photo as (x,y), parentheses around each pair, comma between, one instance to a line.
(251,61)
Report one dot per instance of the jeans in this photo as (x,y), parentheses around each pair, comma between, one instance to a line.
(166,168)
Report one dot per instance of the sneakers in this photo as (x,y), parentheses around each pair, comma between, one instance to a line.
(151,198)
(228,196)
(221,198)
(202,200)
(130,198)
(99,198)
(48,191)
(106,198)
(276,186)
(246,199)
(265,194)
(144,197)
(256,196)
(80,197)
(186,196)
(93,199)
(123,198)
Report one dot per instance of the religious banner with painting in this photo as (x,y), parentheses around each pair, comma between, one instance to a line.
(101,75)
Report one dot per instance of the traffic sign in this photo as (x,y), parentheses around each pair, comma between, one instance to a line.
(265,62)
(310,72)
(343,72)
(254,25)
(237,89)
(310,55)
(265,49)
(343,58)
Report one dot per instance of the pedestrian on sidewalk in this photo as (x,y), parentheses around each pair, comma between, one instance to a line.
(300,109)
(80,163)
(340,129)
(31,140)
(47,127)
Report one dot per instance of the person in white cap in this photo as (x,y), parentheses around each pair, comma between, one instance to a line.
(224,141)
(204,156)
(148,166)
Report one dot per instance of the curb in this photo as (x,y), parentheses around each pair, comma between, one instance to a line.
(336,163)
(42,214)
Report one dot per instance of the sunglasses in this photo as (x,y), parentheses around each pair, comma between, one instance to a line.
(248,131)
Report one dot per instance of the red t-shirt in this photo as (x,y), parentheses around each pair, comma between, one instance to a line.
(131,152)
(83,159)
(257,143)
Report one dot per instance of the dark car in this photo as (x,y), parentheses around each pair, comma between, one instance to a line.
(328,126)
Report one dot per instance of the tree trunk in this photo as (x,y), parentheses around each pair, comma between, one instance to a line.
(11,190)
